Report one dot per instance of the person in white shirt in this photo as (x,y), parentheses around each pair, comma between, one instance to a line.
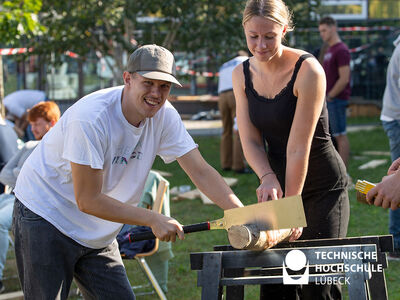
(42,117)
(390,117)
(85,179)
(8,142)
(231,155)
(17,105)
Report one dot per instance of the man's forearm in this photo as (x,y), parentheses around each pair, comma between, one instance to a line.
(208,180)
(107,208)
(215,188)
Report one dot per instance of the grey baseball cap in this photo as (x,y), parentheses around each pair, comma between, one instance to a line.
(153,62)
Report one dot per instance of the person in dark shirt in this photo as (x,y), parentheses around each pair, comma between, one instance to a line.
(336,63)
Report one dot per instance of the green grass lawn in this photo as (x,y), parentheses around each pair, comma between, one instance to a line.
(364,220)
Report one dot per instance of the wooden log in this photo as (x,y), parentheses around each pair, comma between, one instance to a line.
(249,237)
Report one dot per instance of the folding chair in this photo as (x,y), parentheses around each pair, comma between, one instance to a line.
(140,257)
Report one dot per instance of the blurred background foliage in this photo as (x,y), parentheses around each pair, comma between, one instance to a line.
(114,28)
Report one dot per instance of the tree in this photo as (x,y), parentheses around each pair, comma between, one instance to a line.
(18,22)
(389,9)
(115,28)
(304,12)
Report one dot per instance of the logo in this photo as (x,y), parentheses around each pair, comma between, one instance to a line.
(123,158)
(295,260)
(342,262)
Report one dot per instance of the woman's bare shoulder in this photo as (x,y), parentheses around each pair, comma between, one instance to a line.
(237,72)
(310,64)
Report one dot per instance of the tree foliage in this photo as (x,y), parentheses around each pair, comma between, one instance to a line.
(115,28)
(19,20)
(304,12)
(109,27)
(384,9)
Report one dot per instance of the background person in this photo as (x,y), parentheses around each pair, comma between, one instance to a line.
(8,142)
(337,69)
(231,155)
(17,105)
(283,126)
(86,177)
(42,117)
(390,117)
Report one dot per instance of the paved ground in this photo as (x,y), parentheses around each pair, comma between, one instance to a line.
(214,127)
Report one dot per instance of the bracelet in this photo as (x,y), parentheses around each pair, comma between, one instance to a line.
(268,173)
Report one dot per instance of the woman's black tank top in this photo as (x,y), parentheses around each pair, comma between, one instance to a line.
(274,118)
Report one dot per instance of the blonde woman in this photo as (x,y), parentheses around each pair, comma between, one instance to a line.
(283,126)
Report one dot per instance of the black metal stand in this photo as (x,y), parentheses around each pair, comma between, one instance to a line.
(237,268)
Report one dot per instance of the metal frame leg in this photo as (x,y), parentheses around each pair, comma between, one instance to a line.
(142,262)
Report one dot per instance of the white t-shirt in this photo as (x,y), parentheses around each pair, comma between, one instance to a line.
(8,141)
(95,132)
(225,73)
(19,102)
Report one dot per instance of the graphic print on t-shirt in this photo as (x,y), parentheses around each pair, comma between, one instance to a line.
(122,158)
(137,153)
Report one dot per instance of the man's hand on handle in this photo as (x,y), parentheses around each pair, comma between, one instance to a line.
(166,229)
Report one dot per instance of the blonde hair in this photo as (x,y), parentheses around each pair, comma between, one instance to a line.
(274,10)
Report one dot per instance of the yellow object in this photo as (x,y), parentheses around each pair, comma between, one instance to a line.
(364,186)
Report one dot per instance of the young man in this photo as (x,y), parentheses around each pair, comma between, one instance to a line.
(42,117)
(337,69)
(85,179)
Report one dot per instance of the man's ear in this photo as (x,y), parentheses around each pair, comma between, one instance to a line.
(127,78)
(284,30)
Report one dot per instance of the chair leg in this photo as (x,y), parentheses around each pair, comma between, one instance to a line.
(151,277)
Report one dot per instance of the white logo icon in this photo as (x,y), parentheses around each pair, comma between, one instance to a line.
(295,260)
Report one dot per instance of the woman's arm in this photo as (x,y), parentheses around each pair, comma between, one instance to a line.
(310,90)
(252,142)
